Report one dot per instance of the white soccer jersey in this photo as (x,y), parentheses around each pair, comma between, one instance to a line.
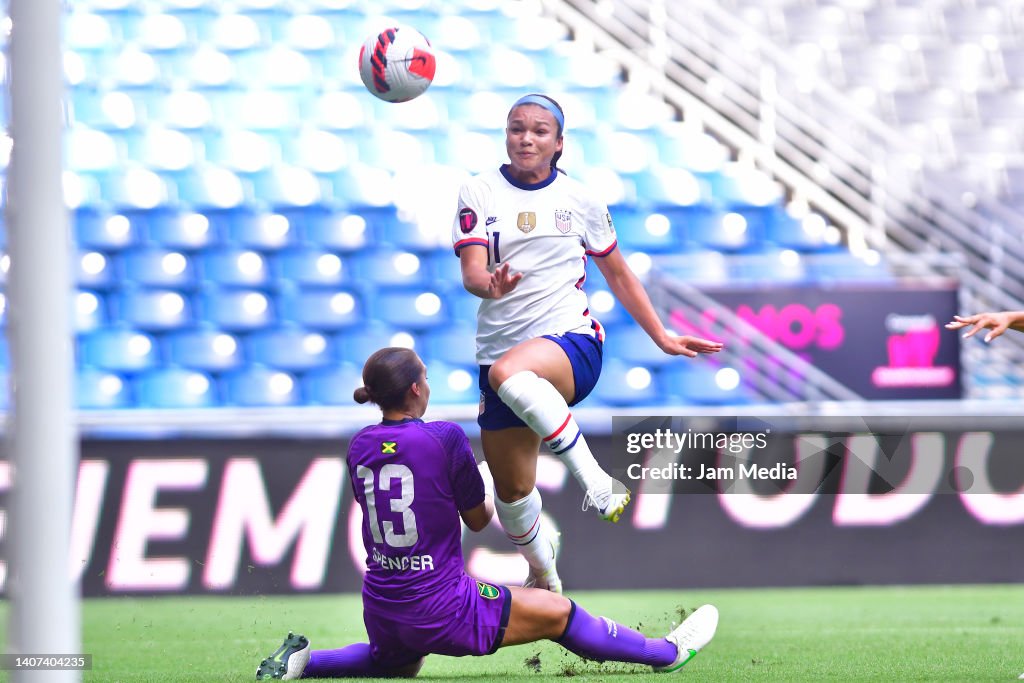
(544,231)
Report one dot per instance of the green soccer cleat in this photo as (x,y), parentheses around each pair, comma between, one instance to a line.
(287,662)
(691,636)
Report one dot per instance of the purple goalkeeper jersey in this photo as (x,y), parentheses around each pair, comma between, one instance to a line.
(412,478)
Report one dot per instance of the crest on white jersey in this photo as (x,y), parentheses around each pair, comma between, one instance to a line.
(527,221)
(563,220)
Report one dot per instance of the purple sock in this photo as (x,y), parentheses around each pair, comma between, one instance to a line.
(603,639)
(353,660)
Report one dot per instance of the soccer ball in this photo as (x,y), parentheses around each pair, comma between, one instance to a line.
(397,64)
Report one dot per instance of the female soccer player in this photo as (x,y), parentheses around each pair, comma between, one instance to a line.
(414,480)
(523,234)
(997,322)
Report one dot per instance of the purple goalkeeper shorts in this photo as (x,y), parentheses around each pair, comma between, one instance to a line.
(476,627)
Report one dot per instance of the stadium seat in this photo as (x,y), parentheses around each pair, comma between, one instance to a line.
(204,348)
(334,229)
(454,344)
(968,67)
(649,231)
(118,349)
(307,266)
(175,228)
(699,382)
(628,343)
(154,267)
(234,267)
(701,267)
(288,348)
(236,310)
(625,384)
(95,270)
(453,384)
(388,267)
(332,385)
(322,309)
(172,387)
(90,310)
(784,266)
(844,267)
(255,386)
(153,309)
(411,308)
(357,344)
(102,230)
(257,229)
(97,389)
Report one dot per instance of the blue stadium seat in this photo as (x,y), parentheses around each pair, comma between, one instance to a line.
(412,308)
(807,234)
(629,343)
(310,266)
(154,267)
(257,229)
(118,349)
(624,384)
(236,310)
(234,267)
(289,348)
(389,267)
(176,388)
(321,309)
(843,266)
(332,385)
(462,306)
(153,309)
(452,384)
(698,382)
(454,344)
(90,311)
(648,231)
(204,348)
(178,229)
(717,229)
(355,345)
(258,386)
(335,229)
(770,267)
(95,270)
(208,187)
(97,389)
(701,267)
(102,230)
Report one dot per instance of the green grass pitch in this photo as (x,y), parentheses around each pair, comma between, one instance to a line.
(962,633)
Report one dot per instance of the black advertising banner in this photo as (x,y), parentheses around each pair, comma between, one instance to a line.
(818,504)
(883,342)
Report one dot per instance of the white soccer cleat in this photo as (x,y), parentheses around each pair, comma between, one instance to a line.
(287,662)
(691,636)
(548,580)
(610,502)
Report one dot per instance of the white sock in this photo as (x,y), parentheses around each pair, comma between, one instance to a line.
(537,403)
(523,526)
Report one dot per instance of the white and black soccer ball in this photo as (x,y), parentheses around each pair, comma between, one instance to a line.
(397,64)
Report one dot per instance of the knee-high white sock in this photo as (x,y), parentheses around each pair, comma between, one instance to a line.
(523,526)
(537,403)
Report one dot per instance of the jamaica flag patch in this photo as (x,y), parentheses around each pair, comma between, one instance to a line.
(487,590)
(389,447)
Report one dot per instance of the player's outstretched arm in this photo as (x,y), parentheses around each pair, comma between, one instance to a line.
(631,294)
(997,322)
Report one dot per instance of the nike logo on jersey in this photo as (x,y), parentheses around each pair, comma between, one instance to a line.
(490,220)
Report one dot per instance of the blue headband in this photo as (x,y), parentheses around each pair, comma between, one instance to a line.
(543,102)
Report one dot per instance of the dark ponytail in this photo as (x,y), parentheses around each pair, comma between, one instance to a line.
(387,376)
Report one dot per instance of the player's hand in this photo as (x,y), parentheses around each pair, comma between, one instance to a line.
(997,322)
(501,282)
(688,346)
